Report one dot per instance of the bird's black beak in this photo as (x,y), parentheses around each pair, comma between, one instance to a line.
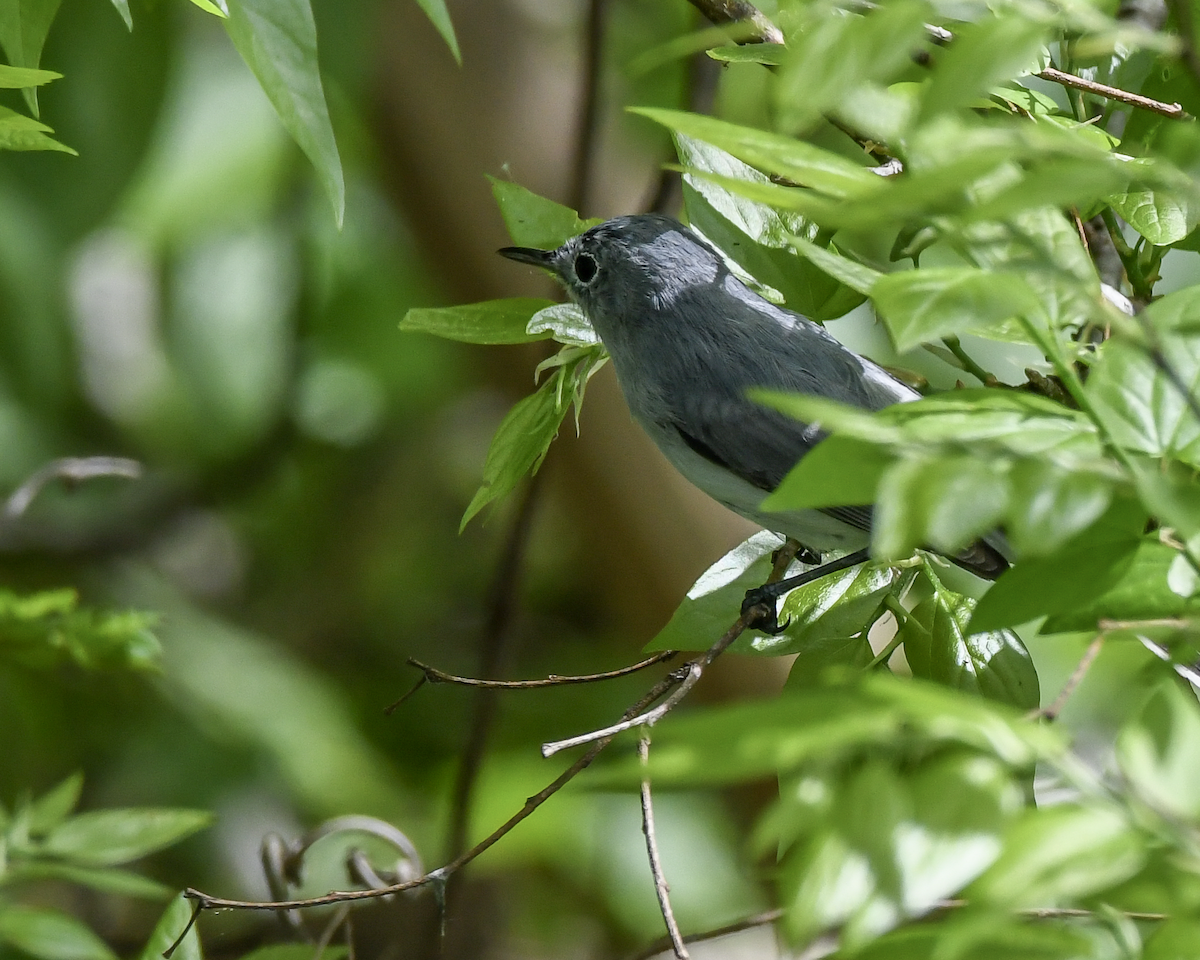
(535,258)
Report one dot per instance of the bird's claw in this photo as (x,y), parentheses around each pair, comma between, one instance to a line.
(758,612)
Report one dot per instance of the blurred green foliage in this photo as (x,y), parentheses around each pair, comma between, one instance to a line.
(212,286)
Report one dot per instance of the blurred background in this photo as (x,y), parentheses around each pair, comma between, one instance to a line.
(179,294)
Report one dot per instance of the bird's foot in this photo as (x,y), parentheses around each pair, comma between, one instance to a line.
(758,611)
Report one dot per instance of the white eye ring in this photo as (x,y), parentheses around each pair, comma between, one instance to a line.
(586,268)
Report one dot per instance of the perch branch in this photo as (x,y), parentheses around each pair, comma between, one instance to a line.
(661,889)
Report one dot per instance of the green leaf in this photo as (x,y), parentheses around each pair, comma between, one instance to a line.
(1161,216)
(1075,574)
(1142,408)
(171,924)
(832,608)
(18,132)
(278,41)
(534,221)
(1177,939)
(918,306)
(1049,504)
(828,173)
(1059,854)
(50,934)
(14,78)
(715,600)
(110,837)
(768,53)
(519,446)
(839,471)
(817,657)
(564,322)
(983,53)
(993,664)
(50,809)
(122,883)
(294,951)
(122,7)
(215,7)
(943,502)
(439,16)
(493,321)
(1178,311)
(853,274)
(44,628)
(24,25)
(1142,592)
(1159,752)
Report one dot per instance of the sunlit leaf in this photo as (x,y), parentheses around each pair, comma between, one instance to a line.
(921,305)
(839,471)
(493,321)
(50,809)
(18,132)
(769,53)
(13,78)
(1160,216)
(278,41)
(1049,504)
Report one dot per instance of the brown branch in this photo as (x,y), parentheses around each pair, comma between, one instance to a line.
(1173,110)
(739,11)
(661,889)
(434,675)
(1076,678)
(749,923)
(589,106)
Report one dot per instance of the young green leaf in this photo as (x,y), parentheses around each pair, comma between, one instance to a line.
(519,446)
(534,221)
(1161,216)
(15,78)
(1049,504)
(110,837)
(834,607)
(24,26)
(50,934)
(50,809)
(122,7)
(839,471)
(828,173)
(278,41)
(439,16)
(1144,408)
(922,305)
(819,656)
(853,274)
(18,132)
(493,321)
(768,53)
(122,883)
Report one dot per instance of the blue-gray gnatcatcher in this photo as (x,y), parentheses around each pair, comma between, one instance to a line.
(688,340)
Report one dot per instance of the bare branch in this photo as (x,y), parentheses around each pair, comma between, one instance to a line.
(434,675)
(661,889)
(1173,110)
(72,470)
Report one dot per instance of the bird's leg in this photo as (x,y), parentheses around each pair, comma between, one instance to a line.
(758,609)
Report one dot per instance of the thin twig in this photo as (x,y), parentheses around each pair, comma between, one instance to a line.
(1173,110)
(970,365)
(661,889)
(196,908)
(72,470)
(758,920)
(1075,679)
(739,11)
(434,675)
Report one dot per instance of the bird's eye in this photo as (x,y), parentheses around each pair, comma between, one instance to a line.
(585,268)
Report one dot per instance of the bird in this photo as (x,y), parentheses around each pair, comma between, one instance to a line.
(688,341)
